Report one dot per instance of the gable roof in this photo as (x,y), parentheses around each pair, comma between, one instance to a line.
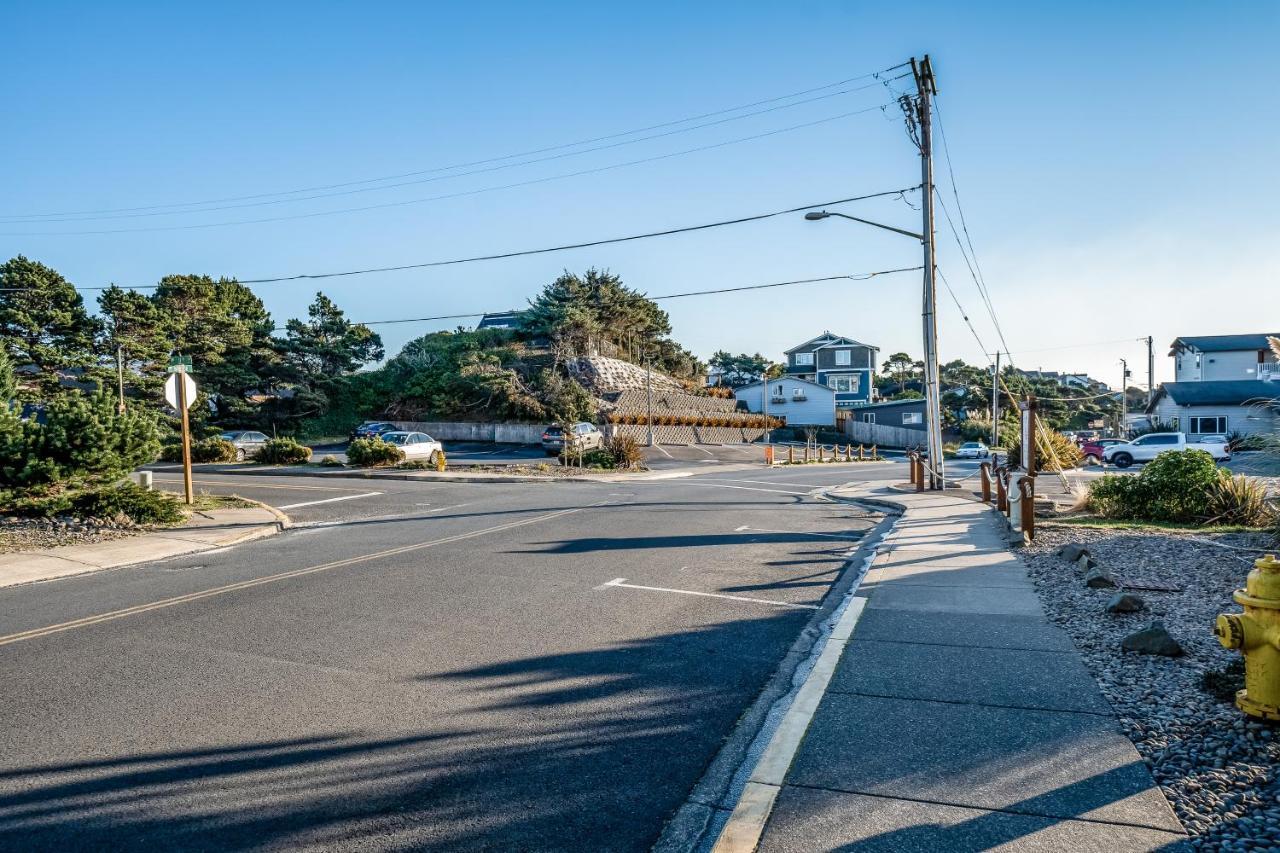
(827,339)
(1223,392)
(1222,343)
(785,379)
(501,320)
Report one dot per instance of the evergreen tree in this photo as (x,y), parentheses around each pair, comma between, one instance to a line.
(327,345)
(43,321)
(8,383)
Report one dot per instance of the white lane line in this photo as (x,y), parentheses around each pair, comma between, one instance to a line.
(618,582)
(659,448)
(770,483)
(329,500)
(744,488)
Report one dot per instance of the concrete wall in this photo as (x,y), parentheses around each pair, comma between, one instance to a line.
(475,431)
(860,432)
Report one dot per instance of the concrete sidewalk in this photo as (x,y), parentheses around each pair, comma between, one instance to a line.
(958,718)
(205,530)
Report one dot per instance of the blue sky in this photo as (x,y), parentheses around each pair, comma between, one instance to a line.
(1115,160)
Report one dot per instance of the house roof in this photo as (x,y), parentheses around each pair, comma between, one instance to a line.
(1224,392)
(883,404)
(826,339)
(1222,343)
(500,320)
(786,379)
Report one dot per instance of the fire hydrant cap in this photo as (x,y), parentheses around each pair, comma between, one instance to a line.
(1263,584)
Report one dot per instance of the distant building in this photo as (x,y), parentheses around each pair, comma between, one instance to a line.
(1224,357)
(1066,380)
(501,320)
(800,401)
(907,414)
(842,364)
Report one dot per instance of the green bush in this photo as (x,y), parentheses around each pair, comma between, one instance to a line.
(282,451)
(171,451)
(330,461)
(1184,487)
(211,450)
(625,450)
(140,505)
(417,465)
(597,457)
(373,453)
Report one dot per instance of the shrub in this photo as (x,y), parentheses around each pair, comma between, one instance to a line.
(373,453)
(1239,500)
(211,450)
(1179,486)
(1054,451)
(1116,496)
(625,451)
(171,451)
(418,465)
(140,505)
(282,451)
(330,461)
(598,457)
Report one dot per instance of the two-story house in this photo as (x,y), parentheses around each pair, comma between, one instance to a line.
(1223,384)
(842,364)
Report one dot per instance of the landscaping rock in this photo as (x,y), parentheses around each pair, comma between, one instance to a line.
(1085,563)
(1100,578)
(1073,551)
(1125,602)
(1152,640)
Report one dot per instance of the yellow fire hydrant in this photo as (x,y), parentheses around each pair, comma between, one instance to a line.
(1256,632)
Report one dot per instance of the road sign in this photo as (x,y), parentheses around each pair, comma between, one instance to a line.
(179,363)
(171,388)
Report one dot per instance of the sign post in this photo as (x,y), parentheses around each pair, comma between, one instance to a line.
(180,392)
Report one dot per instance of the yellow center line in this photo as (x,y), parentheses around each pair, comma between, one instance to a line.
(86,621)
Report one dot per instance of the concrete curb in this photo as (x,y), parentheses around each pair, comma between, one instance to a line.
(729,786)
(27,567)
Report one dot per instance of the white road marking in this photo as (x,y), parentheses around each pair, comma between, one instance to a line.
(770,483)
(744,488)
(618,582)
(659,448)
(797,532)
(329,500)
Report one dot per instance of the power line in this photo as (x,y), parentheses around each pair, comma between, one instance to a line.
(875,74)
(461,194)
(1077,346)
(438,177)
(963,313)
(853,277)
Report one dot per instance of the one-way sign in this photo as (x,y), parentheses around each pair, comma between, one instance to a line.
(171,389)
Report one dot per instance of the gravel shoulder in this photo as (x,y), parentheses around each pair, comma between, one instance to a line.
(31,534)
(1217,767)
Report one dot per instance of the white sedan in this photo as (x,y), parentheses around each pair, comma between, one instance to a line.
(414,445)
(973,450)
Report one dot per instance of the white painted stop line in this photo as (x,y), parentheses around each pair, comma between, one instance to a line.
(329,500)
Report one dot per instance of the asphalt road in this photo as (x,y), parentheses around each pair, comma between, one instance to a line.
(446,666)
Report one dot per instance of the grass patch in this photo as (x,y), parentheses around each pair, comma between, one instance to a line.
(1125,524)
(207,501)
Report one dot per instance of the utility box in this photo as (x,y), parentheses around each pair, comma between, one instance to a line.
(141,478)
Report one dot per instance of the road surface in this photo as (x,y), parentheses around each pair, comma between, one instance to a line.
(448,666)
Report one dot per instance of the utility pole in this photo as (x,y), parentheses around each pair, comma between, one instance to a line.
(926,88)
(995,404)
(764,403)
(1151,370)
(648,386)
(1123,432)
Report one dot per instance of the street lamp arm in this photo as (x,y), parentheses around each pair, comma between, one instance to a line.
(823,214)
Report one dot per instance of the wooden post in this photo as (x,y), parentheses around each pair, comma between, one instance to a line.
(911,467)
(1002,497)
(985,468)
(820,459)
(1027,491)
(874,455)
(919,473)
(186,437)
(806,451)
(791,456)
(861,455)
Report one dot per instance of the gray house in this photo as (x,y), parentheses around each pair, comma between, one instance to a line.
(801,402)
(1224,357)
(1218,407)
(907,414)
(842,364)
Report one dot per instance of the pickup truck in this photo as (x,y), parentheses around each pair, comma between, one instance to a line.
(1147,447)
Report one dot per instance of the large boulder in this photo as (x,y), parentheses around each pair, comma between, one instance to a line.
(1152,640)
(1100,578)
(1125,602)
(1073,551)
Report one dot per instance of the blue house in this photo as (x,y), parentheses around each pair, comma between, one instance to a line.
(842,364)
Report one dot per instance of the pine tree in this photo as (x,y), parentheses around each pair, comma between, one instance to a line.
(43,322)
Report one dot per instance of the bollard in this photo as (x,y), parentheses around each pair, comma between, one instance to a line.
(874,455)
(985,468)
(1002,496)
(791,456)
(919,473)
(861,457)
(911,467)
(820,459)
(1027,493)
(806,452)
(768,454)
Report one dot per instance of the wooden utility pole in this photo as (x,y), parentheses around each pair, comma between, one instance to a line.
(926,88)
(120,376)
(1123,432)
(186,436)
(995,404)
(1151,370)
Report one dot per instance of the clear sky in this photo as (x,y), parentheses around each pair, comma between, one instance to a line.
(1115,160)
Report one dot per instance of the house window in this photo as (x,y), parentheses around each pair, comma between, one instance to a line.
(845,384)
(868,417)
(844,358)
(804,359)
(912,418)
(1203,425)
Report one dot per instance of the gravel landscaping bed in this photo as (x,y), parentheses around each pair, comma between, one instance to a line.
(1217,767)
(31,534)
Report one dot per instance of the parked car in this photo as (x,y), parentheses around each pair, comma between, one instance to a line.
(1092,450)
(1147,447)
(583,436)
(1215,439)
(247,442)
(973,450)
(414,445)
(369,429)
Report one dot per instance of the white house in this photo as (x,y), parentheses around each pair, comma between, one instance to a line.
(1225,357)
(801,402)
(1218,407)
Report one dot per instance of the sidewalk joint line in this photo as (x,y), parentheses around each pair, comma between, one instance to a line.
(1110,715)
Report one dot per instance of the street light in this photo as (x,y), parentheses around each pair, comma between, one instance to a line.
(933,404)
